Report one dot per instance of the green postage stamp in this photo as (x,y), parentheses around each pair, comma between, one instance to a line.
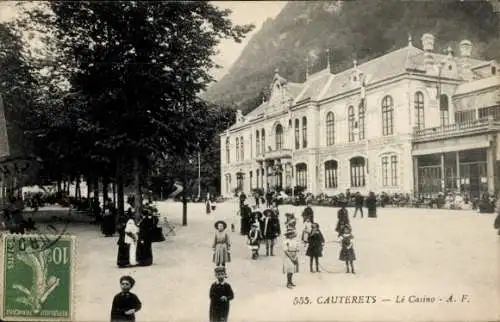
(37,277)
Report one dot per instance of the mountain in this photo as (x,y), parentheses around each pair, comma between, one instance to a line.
(361,29)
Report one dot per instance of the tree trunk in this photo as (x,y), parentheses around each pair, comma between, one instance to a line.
(138,190)
(120,198)
(78,191)
(113,187)
(105,186)
(88,183)
(96,187)
(184,200)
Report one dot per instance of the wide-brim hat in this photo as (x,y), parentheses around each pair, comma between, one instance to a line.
(289,214)
(129,279)
(220,222)
(291,232)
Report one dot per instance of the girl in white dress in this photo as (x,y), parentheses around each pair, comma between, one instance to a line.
(131,236)
(290,259)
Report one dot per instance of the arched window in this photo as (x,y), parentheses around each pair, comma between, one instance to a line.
(331,167)
(262,141)
(357,166)
(257,142)
(304,132)
(419,110)
(351,119)
(237,149)
(390,170)
(279,137)
(330,129)
(297,134)
(443,110)
(228,151)
(361,120)
(387,116)
(242,149)
(301,175)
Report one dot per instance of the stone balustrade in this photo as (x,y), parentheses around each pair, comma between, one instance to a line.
(456,129)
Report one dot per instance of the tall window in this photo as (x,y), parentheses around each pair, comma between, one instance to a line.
(390,171)
(331,167)
(279,137)
(419,110)
(239,181)
(242,149)
(257,175)
(301,175)
(352,122)
(263,141)
(387,116)
(297,134)
(357,166)
(304,132)
(361,119)
(228,151)
(330,129)
(257,142)
(443,110)
(237,149)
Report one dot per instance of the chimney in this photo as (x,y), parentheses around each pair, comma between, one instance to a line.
(465,55)
(428,46)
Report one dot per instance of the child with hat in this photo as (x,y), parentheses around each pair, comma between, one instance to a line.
(222,245)
(290,259)
(342,217)
(315,243)
(254,238)
(347,254)
(125,304)
(220,295)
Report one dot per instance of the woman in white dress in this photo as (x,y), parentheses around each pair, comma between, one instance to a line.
(131,237)
(291,258)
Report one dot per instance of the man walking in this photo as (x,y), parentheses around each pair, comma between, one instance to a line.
(359,200)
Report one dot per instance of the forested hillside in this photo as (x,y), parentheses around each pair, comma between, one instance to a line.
(361,29)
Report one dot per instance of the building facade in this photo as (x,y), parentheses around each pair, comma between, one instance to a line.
(412,120)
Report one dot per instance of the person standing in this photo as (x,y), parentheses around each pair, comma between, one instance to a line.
(254,238)
(291,258)
(358,201)
(269,199)
(315,244)
(342,217)
(145,241)
(243,198)
(270,230)
(125,304)
(245,219)
(371,204)
(208,204)
(108,225)
(222,245)
(307,229)
(347,254)
(220,294)
(308,212)
(257,199)
(127,245)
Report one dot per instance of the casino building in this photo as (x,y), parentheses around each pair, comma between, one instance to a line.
(412,121)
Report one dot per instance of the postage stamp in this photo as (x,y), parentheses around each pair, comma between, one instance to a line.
(37,277)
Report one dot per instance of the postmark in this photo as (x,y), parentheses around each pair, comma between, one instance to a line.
(37,284)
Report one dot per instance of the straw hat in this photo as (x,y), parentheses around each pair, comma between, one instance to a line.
(220,222)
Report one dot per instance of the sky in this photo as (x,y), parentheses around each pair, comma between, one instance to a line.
(243,12)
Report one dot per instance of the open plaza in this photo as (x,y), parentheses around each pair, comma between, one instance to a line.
(419,257)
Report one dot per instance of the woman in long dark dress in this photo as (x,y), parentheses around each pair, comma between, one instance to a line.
(108,225)
(220,295)
(371,204)
(246,216)
(125,304)
(144,244)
